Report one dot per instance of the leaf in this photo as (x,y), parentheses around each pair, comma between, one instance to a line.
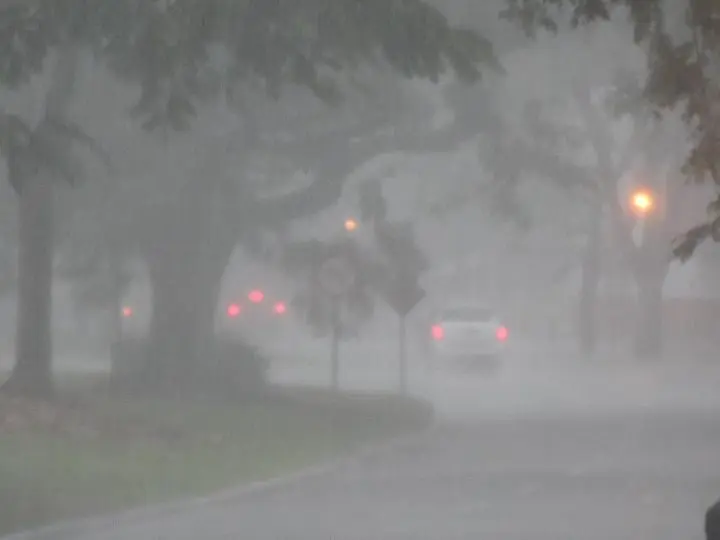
(685,245)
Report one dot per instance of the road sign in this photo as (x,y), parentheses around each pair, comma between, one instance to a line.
(336,275)
(403,295)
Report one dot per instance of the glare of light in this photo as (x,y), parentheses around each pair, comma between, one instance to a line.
(256,296)
(502,333)
(437,332)
(642,202)
(280,308)
(233,310)
(351,225)
(127,312)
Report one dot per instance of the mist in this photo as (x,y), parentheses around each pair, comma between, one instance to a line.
(442,270)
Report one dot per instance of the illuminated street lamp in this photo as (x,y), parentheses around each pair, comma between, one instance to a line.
(351,225)
(642,202)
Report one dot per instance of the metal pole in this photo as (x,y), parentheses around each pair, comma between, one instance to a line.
(335,343)
(638,233)
(402,356)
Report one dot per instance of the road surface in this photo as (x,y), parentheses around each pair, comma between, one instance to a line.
(642,464)
(547,449)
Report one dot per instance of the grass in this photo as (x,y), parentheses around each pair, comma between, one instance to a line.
(96,454)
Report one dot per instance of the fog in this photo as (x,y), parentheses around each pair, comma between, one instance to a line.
(190,237)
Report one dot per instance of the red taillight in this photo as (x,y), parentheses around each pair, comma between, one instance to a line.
(127,312)
(437,332)
(256,296)
(501,333)
(280,308)
(233,310)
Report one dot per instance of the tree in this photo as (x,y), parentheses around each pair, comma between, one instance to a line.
(32,155)
(400,261)
(8,240)
(584,95)
(184,54)
(682,47)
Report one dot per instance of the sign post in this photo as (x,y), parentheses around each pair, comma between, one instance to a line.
(335,342)
(336,277)
(402,296)
(402,356)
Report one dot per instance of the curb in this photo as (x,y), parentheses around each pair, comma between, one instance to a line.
(71,528)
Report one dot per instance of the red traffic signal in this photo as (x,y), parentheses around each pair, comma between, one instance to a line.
(233,310)
(280,308)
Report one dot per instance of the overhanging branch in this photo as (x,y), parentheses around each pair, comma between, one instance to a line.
(333,157)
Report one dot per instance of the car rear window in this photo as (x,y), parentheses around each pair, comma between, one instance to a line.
(467,314)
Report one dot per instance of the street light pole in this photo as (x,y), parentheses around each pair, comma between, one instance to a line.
(642,205)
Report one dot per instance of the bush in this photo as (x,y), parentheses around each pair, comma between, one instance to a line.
(230,368)
(236,368)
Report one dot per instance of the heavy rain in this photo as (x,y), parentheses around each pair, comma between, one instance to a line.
(359,269)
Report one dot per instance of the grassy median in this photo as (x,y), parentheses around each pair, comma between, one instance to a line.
(92,453)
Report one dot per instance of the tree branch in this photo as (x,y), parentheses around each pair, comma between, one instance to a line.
(335,155)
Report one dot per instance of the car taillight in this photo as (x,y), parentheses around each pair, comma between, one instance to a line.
(501,333)
(280,308)
(233,310)
(127,312)
(437,332)
(256,296)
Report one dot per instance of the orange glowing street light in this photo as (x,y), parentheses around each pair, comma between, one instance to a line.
(642,202)
(351,225)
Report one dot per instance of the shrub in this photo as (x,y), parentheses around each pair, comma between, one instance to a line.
(230,368)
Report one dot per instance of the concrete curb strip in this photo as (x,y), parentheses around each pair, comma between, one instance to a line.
(72,528)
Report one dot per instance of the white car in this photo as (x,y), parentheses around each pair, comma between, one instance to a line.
(472,335)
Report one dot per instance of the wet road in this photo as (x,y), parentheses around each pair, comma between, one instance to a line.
(611,475)
(542,451)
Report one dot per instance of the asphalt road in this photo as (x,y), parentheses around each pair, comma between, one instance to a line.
(639,470)
(546,449)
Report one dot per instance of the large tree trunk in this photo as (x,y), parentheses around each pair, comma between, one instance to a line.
(32,373)
(648,332)
(590,280)
(181,330)
(186,271)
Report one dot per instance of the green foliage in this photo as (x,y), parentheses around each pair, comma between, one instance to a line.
(47,147)
(398,247)
(186,51)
